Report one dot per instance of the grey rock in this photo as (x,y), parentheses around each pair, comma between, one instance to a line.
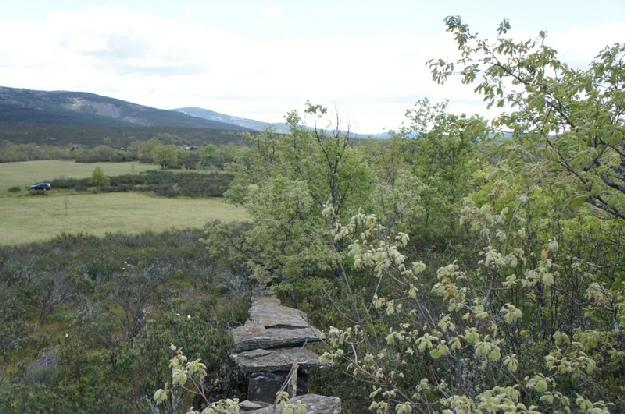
(253,336)
(315,404)
(268,312)
(248,405)
(265,349)
(276,359)
(272,325)
(263,386)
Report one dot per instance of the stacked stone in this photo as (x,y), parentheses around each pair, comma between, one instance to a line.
(269,349)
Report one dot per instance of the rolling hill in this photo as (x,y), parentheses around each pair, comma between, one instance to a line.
(78,118)
(79,108)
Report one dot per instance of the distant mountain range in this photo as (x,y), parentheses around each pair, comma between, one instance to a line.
(62,107)
(280,127)
(247,123)
(28,115)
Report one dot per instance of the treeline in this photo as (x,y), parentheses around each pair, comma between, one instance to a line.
(92,135)
(163,183)
(10,152)
(86,322)
(154,150)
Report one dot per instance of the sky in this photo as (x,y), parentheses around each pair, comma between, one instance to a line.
(260,59)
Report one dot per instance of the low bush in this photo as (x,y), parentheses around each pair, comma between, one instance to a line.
(163,183)
(90,330)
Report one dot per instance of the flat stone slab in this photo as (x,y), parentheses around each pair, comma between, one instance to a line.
(253,336)
(272,325)
(275,359)
(268,312)
(248,405)
(315,404)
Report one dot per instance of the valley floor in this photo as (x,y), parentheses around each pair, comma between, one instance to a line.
(35,218)
(25,173)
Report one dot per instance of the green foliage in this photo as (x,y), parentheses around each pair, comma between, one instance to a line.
(167,150)
(440,165)
(489,337)
(11,152)
(575,114)
(452,269)
(164,155)
(187,378)
(455,270)
(53,136)
(163,183)
(530,303)
(284,182)
(98,179)
(89,331)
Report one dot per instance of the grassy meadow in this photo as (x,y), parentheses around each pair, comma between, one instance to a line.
(27,218)
(25,173)
(35,218)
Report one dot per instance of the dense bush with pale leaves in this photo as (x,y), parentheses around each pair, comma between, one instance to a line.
(479,339)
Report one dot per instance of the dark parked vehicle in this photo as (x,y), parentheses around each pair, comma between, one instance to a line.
(40,186)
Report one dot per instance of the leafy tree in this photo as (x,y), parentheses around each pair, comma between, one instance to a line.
(285,180)
(144,150)
(206,154)
(98,178)
(577,114)
(165,155)
(103,152)
(442,158)
(189,160)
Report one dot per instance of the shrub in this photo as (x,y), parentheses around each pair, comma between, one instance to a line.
(115,304)
(162,183)
(15,189)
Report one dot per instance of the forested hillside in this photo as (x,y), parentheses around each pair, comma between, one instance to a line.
(86,119)
(62,107)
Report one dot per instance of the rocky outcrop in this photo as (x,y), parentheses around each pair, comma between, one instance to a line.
(269,349)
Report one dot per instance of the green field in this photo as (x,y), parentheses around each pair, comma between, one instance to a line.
(33,218)
(25,173)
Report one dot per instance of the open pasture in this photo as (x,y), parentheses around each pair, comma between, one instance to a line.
(34,218)
(25,173)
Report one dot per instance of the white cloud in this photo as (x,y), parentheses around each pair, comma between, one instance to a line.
(272,10)
(167,62)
